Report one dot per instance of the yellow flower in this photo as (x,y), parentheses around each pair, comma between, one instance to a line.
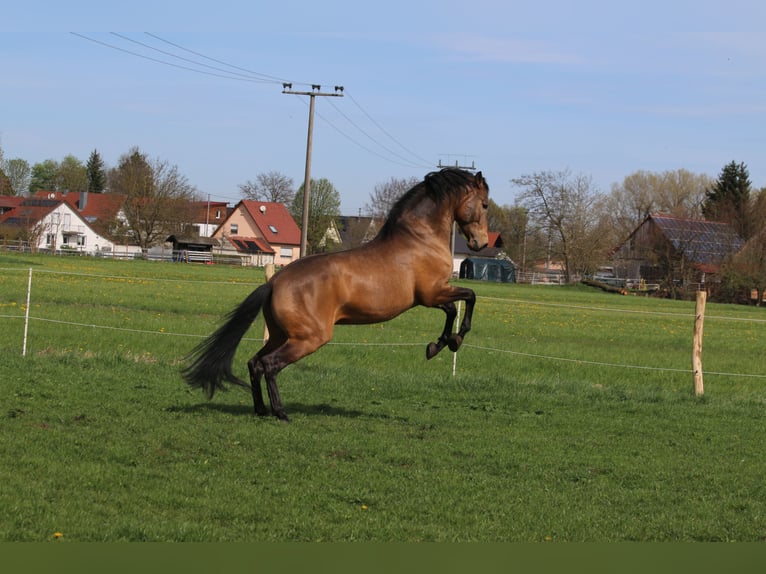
(57,535)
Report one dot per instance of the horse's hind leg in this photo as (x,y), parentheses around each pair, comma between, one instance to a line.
(287,354)
(255,367)
(433,348)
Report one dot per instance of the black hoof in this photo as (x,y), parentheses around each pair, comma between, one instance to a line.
(454,343)
(432,350)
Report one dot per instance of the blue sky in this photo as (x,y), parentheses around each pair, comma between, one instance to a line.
(600,88)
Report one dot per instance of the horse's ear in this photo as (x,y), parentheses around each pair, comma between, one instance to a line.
(479,179)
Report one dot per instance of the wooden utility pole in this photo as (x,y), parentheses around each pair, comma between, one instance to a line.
(315,91)
(699,319)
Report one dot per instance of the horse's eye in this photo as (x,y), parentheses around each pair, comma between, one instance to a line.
(485,204)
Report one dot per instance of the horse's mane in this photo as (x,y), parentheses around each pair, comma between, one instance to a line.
(437,185)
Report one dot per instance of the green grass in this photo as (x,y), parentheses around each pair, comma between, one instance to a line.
(570,417)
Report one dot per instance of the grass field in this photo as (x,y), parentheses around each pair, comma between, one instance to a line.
(570,417)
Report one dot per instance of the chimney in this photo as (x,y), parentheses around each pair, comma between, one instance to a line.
(83,200)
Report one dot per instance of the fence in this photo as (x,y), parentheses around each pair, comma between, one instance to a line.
(30,319)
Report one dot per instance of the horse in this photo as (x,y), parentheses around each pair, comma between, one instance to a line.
(407,264)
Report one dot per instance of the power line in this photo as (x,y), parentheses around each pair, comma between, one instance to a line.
(243,74)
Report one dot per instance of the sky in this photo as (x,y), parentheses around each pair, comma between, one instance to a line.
(602,89)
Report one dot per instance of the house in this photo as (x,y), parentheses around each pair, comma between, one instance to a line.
(461,251)
(8,202)
(350,231)
(52,224)
(102,211)
(664,249)
(263,230)
(207,216)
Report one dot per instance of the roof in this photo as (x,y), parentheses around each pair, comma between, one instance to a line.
(274,222)
(29,212)
(700,241)
(202,210)
(493,248)
(91,206)
(249,244)
(9,202)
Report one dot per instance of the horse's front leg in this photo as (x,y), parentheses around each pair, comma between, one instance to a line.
(433,348)
(456,339)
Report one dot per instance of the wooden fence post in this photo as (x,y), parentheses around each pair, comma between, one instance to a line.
(699,319)
(269,269)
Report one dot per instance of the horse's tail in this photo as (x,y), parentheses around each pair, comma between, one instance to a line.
(211,360)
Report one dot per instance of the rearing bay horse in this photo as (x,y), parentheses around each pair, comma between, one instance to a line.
(408,263)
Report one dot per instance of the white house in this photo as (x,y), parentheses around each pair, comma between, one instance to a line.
(54,225)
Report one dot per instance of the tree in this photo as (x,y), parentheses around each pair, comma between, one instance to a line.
(6,188)
(324,207)
(45,176)
(96,173)
(19,173)
(511,221)
(678,193)
(385,195)
(728,200)
(72,175)
(156,197)
(271,186)
(747,270)
(563,207)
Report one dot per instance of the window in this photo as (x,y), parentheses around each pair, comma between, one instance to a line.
(286,252)
(273,229)
(81,240)
(218,214)
(234,228)
(49,238)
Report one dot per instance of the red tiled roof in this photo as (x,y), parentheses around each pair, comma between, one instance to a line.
(10,201)
(25,215)
(274,221)
(98,206)
(250,244)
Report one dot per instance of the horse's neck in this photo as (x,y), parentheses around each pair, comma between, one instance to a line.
(429,223)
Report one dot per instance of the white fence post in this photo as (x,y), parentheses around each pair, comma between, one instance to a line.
(26,314)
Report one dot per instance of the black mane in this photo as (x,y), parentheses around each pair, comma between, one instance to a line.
(438,185)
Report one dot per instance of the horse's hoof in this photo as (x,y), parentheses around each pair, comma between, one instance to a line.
(454,343)
(432,350)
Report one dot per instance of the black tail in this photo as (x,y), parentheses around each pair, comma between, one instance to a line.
(211,360)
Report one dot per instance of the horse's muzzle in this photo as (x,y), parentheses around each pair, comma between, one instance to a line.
(474,245)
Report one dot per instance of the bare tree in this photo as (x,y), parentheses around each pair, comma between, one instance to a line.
(272,187)
(676,192)
(156,193)
(19,173)
(385,195)
(564,206)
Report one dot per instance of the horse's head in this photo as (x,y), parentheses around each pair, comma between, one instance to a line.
(471,213)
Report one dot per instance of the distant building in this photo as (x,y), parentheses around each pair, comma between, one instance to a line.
(665,249)
(265,232)
(53,225)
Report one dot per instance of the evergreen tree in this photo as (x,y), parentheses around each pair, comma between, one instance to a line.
(729,199)
(96,173)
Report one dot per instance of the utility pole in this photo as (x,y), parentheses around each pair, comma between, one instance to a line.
(315,91)
(472,167)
